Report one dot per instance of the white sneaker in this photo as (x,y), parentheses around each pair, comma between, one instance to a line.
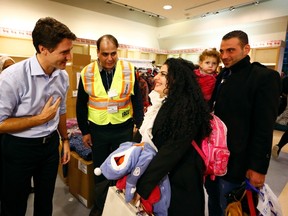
(275,151)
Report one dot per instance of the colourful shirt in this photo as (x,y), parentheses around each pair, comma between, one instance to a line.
(206,82)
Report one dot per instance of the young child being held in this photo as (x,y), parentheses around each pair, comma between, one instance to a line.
(206,74)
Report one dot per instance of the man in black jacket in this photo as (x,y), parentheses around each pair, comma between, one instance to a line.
(246,98)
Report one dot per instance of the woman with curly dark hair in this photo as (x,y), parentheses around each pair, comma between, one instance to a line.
(177,116)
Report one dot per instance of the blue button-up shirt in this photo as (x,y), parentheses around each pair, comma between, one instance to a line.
(25,89)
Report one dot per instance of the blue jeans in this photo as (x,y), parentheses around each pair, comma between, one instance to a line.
(216,191)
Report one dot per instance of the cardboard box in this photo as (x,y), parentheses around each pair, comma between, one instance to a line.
(81,179)
(79,61)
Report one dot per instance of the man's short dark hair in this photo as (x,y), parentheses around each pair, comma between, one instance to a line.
(49,32)
(242,36)
(110,38)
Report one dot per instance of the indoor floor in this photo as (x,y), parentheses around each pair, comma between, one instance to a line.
(277,178)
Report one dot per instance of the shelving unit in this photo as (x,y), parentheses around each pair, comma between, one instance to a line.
(79,61)
(269,56)
(273,56)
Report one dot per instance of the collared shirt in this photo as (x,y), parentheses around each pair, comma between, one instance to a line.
(106,70)
(106,76)
(25,89)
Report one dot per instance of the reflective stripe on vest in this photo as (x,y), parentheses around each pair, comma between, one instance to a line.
(103,103)
(123,100)
(89,75)
(123,83)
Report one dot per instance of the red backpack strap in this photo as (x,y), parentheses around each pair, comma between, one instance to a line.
(251,203)
(199,150)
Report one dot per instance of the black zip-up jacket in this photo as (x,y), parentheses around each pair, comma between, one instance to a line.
(247,102)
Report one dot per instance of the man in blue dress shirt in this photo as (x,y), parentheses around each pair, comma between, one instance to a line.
(32,117)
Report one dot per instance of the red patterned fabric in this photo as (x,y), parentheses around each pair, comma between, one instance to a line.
(147,204)
(206,82)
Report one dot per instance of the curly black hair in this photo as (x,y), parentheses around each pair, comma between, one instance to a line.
(185,106)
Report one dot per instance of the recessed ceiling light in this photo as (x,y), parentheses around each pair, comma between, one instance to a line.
(167,7)
(232,8)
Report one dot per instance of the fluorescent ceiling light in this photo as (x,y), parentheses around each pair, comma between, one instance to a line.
(167,7)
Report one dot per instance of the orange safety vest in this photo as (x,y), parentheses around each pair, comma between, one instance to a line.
(103,109)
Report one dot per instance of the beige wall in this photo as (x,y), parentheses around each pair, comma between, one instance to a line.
(261,23)
(208,32)
(16,46)
(22,15)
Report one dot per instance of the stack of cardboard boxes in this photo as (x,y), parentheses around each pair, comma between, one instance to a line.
(81,179)
(78,176)
(80,173)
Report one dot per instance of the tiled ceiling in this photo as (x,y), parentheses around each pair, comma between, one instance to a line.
(139,10)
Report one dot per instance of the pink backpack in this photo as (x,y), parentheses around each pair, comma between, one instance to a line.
(214,149)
